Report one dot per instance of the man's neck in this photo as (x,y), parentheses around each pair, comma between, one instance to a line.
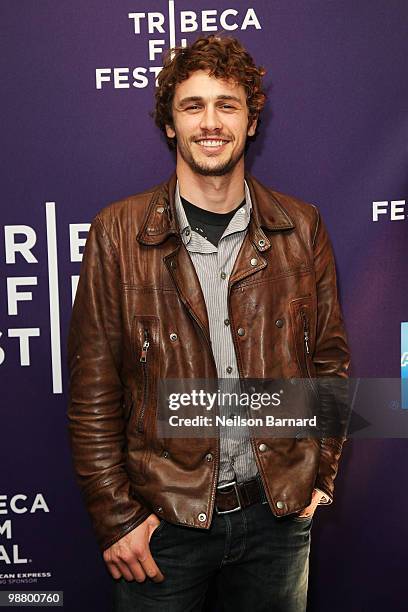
(219,194)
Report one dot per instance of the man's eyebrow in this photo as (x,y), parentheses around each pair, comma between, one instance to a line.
(200,99)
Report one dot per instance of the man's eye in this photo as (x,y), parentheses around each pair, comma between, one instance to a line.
(194,106)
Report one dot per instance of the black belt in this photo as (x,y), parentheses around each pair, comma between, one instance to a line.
(233,496)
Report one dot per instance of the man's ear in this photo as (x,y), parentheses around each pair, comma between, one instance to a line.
(170,131)
(252,127)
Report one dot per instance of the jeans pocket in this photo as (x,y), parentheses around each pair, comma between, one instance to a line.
(158,529)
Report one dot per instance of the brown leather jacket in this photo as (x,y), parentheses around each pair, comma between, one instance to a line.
(136,274)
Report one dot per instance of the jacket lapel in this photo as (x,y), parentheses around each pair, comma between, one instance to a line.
(188,286)
(266,213)
(161,223)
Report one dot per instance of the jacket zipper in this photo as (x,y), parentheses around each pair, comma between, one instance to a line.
(143,361)
(306,339)
(305,335)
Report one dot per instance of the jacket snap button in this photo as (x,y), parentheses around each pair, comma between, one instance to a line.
(159,509)
(261,242)
(160,209)
(262,447)
(209,457)
(280,504)
(202,517)
(279,322)
(241,331)
(173,337)
(173,264)
(254,261)
(229,369)
(166,454)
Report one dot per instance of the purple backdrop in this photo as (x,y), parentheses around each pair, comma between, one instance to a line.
(334,132)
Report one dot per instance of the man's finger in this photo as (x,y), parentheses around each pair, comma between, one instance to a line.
(125,571)
(113,569)
(137,570)
(150,567)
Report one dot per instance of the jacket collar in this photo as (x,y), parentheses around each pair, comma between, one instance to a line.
(160,220)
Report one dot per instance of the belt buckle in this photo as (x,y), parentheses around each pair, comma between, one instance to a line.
(224,486)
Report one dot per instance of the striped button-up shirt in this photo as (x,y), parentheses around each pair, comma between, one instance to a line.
(214,265)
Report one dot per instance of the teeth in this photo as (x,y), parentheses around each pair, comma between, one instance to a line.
(211,143)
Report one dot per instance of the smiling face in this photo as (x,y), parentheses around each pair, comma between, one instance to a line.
(210,118)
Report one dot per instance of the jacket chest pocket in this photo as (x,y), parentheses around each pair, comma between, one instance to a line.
(145,344)
(303,316)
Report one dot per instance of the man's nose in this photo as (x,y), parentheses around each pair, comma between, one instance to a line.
(210,119)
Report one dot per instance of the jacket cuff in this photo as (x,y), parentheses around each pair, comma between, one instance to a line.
(113,510)
(124,529)
(330,451)
(325,500)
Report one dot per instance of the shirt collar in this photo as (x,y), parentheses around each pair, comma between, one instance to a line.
(242,215)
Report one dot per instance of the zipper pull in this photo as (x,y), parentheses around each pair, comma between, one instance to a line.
(307,343)
(305,331)
(146,344)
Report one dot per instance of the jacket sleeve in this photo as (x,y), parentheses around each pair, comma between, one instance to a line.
(96,420)
(331,360)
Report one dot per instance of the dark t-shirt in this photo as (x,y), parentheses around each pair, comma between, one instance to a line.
(209,224)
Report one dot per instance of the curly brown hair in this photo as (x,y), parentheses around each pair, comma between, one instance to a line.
(225,58)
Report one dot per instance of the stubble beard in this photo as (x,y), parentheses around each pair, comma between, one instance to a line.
(220,169)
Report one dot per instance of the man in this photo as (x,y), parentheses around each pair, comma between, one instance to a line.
(211,275)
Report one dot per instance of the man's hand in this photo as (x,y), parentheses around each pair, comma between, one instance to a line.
(130,556)
(309,510)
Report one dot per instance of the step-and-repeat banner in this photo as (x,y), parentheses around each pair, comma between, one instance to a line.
(78,82)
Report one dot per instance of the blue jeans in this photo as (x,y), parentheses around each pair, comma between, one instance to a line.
(259,562)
